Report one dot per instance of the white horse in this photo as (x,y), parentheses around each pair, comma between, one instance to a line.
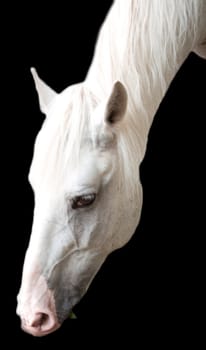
(85,169)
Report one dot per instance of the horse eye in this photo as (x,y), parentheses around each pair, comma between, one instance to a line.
(83,201)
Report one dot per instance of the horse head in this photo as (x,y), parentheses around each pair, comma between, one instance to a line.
(84,205)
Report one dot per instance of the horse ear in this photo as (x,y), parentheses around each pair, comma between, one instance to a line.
(45,93)
(116,105)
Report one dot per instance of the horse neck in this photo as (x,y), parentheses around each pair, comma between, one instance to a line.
(143,43)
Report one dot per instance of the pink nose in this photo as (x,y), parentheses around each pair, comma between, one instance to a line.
(41,324)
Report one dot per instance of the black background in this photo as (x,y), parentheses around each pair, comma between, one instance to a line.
(158,276)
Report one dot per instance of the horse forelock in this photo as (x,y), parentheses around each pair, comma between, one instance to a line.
(63,134)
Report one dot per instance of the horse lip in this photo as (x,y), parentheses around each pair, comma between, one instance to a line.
(37,331)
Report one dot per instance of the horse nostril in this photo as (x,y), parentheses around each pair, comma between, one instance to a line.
(40,318)
(41,324)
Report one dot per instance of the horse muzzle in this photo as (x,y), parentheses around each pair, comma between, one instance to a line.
(37,309)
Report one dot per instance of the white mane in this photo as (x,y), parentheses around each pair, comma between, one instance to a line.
(140,44)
